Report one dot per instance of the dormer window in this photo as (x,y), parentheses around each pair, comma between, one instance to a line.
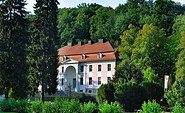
(83,56)
(100,55)
(64,58)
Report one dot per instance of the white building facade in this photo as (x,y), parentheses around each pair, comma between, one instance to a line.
(83,68)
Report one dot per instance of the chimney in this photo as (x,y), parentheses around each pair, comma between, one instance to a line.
(89,42)
(79,43)
(69,44)
(100,41)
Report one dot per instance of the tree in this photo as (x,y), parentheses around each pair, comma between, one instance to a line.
(101,24)
(13,42)
(149,49)
(128,73)
(126,45)
(43,48)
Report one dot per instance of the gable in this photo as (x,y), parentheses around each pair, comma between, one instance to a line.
(69,61)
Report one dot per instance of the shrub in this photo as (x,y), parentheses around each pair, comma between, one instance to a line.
(84,98)
(89,108)
(110,108)
(156,93)
(49,107)
(105,92)
(151,107)
(6,106)
(178,109)
(130,96)
(21,105)
(34,107)
(67,105)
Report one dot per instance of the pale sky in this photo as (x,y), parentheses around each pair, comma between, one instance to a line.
(74,3)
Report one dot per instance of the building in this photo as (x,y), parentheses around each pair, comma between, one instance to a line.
(85,67)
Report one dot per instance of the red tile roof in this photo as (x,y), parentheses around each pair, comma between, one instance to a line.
(90,51)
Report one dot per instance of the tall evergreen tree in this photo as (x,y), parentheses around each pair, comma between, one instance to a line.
(13,40)
(43,48)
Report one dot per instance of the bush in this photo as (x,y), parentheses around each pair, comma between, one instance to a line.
(20,106)
(89,108)
(105,93)
(6,106)
(110,108)
(178,109)
(151,107)
(34,107)
(156,93)
(84,98)
(67,105)
(130,96)
(49,107)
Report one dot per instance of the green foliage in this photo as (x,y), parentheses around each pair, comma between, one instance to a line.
(105,93)
(67,105)
(34,107)
(42,57)
(150,76)
(153,91)
(89,108)
(148,47)
(19,106)
(151,107)
(6,106)
(176,93)
(110,108)
(49,107)
(128,72)
(84,98)
(130,96)
(178,108)
(13,43)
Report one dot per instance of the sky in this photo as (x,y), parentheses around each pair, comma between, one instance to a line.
(74,3)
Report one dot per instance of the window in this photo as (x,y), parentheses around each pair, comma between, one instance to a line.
(82,69)
(99,67)
(62,81)
(108,79)
(81,81)
(83,56)
(109,67)
(99,80)
(62,69)
(90,80)
(100,55)
(90,68)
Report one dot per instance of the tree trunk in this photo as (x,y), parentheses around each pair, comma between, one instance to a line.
(42,93)
(6,93)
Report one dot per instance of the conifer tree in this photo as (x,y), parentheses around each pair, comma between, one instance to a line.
(43,48)
(13,40)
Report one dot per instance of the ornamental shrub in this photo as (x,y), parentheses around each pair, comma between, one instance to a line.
(6,106)
(49,107)
(89,108)
(67,105)
(178,108)
(105,93)
(151,107)
(34,107)
(110,108)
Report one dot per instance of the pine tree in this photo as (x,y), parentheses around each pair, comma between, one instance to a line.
(43,48)
(13,40)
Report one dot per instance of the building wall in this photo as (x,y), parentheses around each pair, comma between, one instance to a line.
(95,74)
(104,73)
